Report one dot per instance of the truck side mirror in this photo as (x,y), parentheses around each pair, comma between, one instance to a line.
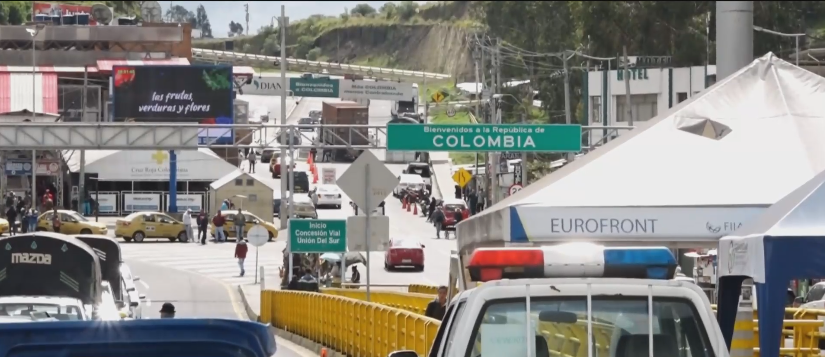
(403,354)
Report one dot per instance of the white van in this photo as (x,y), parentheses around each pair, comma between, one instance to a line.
(406,181)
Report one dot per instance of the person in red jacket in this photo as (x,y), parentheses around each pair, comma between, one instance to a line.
(240,253)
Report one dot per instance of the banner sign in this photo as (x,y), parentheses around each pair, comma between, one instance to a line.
(187,201)
(264,86)
(23,167)
(376,90)
(176,93)
(106,202)
(133,202)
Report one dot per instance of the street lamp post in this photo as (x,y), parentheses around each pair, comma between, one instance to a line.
(796,37)
(33,32)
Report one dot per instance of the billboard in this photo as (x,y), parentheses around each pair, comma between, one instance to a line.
(264,86)
(172,93)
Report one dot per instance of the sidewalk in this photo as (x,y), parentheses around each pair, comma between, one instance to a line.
(251,298)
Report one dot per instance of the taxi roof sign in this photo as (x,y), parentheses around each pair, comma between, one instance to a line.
(138,338)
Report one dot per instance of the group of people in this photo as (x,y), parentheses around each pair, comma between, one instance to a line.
(22,217)
(437,214)
(249,156)
(219,221)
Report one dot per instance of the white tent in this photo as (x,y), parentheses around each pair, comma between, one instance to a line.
(689,176)
(151,165)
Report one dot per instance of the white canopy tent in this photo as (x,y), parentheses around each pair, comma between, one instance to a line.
(689,176)
(149,165)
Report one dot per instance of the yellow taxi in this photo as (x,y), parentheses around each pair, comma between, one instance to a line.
(142,225)
(251,221)
(4,226)
(71,222)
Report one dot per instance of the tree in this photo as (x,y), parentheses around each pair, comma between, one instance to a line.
(363,10)
(313,54)
(4,18)
(272,45)
(179,14)
(203,22)
(408,9)
(235,28)
(15,16)
(389,10)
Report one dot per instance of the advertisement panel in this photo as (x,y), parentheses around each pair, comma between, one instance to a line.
(378,90)
(187,201)
(172,93)
(145,165)
(54,9)
(106,202)
(264,86)
(133,202)
(23,167)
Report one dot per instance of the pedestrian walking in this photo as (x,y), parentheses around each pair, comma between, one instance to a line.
(218,221)
(32,219)
(167,311)
(437,307)
(252,161)
(187,223)
(240,253)
(472,200)
(241,159)
(56,220)
(438,221)
(24,224)
(203,222)
(240,223)
(11,216)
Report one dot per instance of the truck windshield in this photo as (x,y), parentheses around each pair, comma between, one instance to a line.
(619,323)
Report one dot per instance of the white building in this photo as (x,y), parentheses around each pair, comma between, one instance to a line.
(652,91)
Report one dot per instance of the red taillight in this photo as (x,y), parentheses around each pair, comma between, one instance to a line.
(125,224)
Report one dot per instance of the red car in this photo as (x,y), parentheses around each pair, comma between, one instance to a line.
(404,252)
(275,167)
(449,207)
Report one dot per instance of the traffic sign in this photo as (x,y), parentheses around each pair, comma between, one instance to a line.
(314,87)
(484,137)
(515,189)
(328,175)
(462,177)
(317,236)
(451,111)
(378,233)
(354,182)
(437,97)
(257,235)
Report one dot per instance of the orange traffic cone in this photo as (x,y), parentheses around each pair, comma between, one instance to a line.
(409,203)
(323,352)
(315,178)
(404,203)
(309,160)
(415,209)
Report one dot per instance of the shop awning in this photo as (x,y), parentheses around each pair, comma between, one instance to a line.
(142,165)
(106,65)
(691,175)
(18,89)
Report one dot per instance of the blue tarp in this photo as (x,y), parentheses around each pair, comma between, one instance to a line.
(786,242)
(137,338)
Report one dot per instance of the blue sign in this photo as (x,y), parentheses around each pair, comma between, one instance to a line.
(18,167)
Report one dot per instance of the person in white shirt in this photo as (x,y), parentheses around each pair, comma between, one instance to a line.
(187,223)
(241,158)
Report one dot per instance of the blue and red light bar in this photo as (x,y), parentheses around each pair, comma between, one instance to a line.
(572,260)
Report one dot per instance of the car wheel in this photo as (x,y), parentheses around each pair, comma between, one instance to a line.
(127,239)
(419,268)
(182,237)
(172,239)
(85,231)
(270,237)
(138,236)
(337,206)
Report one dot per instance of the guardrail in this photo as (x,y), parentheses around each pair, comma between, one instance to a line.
(352,327)
(233,57)
(411,302)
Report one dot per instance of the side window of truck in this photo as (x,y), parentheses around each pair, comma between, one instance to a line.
(441,342)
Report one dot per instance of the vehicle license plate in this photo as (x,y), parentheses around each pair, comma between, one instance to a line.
(406,260)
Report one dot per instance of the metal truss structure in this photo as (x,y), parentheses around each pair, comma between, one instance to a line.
(238,58)
(153,136)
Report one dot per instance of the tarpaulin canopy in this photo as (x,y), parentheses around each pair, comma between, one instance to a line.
(792,230)
(687,177)
(137,338)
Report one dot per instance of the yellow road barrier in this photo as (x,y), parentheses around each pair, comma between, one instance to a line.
(422,289)
(412,302)
(353,327)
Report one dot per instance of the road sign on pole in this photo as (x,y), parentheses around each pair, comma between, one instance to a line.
(462,177)
(314,87)
(514,189)
(318,236)
(451,111)
(484,137)
(437,97)
(257,236)
(367,182)
(328,175)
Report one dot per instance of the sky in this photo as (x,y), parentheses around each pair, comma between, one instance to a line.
(261,12)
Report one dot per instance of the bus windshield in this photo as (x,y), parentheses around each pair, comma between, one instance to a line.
(617,323)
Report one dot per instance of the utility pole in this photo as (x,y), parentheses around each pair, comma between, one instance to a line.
(568,115)
(81,186)
(523,156)
(487,198)
(494,157)
(627,87)
(246,9)
(285,86)
(476,57)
